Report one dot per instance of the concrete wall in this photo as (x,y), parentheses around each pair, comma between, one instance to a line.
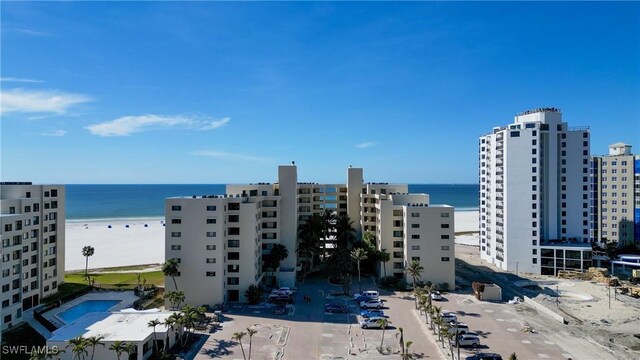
(544,310)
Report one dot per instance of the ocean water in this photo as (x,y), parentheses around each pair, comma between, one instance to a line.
(140,201)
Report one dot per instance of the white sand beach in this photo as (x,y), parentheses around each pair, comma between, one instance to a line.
(115,246)
(137,244)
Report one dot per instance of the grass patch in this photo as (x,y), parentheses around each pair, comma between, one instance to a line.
(23,335)
(64,290)
(119,280)
(154,303)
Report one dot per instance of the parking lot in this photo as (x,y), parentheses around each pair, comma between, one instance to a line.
(501,329)
(306,331)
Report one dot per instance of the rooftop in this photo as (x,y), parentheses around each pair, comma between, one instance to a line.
(123,326)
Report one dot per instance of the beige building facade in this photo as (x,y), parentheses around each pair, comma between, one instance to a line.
(219,240)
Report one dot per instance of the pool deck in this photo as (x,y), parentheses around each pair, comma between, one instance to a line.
(126,298)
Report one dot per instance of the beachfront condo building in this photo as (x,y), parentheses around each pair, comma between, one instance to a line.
(32,219)
(615,194)
(534,194)
(219,240)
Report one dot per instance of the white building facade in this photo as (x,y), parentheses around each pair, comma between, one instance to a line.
(219,240)
(32,221)
(615,194)
(534,191)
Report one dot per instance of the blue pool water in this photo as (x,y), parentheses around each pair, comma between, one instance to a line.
(77,311)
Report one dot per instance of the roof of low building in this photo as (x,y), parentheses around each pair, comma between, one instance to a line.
(113,326)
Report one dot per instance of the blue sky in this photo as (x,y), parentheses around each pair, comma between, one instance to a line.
(224,92)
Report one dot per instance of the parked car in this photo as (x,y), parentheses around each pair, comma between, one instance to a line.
(371,313)
(371,323)
(361,298)
(335,308)
(449,317)
(459,328)
(373,294)
(371,304)
(282,291)
(436,296)
(485,356)
(467,340)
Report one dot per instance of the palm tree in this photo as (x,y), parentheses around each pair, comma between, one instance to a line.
(328,228)
(38,355)
(384,258)
(238,337)
(400,335)
(119,347)
(130,349)
(56,354)
(175,298)
(414,270)
(250,332)
(169,322)
(359,255)
(153,323)
(94,341)
(78,347)
(513,356)
(344,231)
(86,252)
(171,269)
(272,261)
(406,355)
(383,324)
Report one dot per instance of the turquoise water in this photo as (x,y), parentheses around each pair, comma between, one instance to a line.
(138,201)
(71,314)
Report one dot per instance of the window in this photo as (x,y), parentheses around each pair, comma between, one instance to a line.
(211,208)
(234,256)
(211,234)
(444,215)
(176,221)
(398,233)
(233,268)
(398,265)
(211,247)
(415,247)
(444,237)
(233,281)
(233,243)
(534,260)
(176,207)
(176,234)
(211,273)
(444,226)
(398,244)
(415,236)
(415,226)
(176,247)
(211,260)
(415,214)
(444,258)
(444,247)
(397,254)
(211,221)
(415,258)
(515,134)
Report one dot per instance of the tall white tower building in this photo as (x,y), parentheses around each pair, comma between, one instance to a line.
(32,219)
(534,194)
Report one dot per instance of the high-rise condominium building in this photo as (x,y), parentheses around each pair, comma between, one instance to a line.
(32,222)
(615,194)
(219,240)
(534,194)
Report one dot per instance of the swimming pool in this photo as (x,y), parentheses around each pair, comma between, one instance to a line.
(71,314)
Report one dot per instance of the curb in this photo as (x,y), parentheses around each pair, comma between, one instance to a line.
(427,331)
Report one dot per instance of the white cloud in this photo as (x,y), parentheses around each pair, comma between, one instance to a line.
(38,101)
(127,125)
(12,79)
(366,144)
(230,156)
(55,133)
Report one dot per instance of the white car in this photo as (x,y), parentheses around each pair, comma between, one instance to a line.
(436,296)
(467,340)
(459,328)
(449,317)
(372,294)
(372,322)
(371,304)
